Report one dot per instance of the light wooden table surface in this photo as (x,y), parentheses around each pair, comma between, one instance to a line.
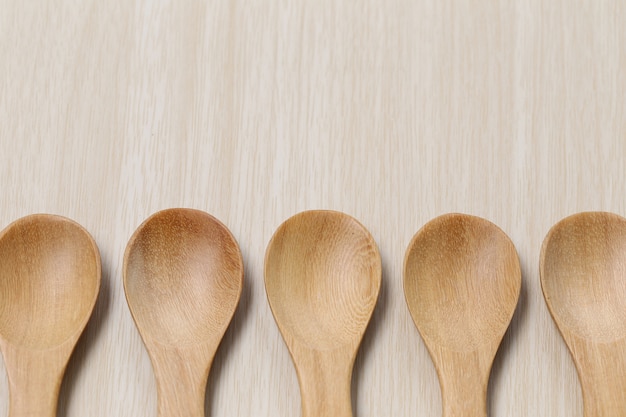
(394,112)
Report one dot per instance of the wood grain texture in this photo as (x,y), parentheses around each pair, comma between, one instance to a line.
(393,113)
(322,278)
(49,281)
(583,271)
(183,276)
(462,282)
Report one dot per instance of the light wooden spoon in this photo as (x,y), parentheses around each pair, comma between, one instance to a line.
(183,276)
(583,277)
(49,283)
(322,278)
(462,280)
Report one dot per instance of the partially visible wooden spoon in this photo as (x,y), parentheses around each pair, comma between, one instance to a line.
(462,280)
(183,276)
(322,277)
(583,277)
(49,283)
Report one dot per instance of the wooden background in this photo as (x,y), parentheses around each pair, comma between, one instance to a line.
(394,112)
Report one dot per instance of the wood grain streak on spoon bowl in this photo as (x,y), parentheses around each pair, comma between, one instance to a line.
(43,269)
(583,278)
(183,277)
(322,277)
(49,282)
(462,280)
(584,265)
(456,282)
(180,278)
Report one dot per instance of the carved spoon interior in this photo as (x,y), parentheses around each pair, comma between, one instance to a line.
(49,283)
(462,281)
(583,277)
(322,277)
(183,276)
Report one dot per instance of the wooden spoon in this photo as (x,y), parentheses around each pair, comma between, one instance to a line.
(49,283)
(183,276)
(462,280)
(322,277)
(583,277)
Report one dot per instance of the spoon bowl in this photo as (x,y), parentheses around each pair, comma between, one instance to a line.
(322,278)
(462,280)
(183,276)
(583,278)
(49,281)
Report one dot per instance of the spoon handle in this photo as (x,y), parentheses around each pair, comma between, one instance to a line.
(602,374)
(181,378)
(463,380)
(34,380)
(324,384)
